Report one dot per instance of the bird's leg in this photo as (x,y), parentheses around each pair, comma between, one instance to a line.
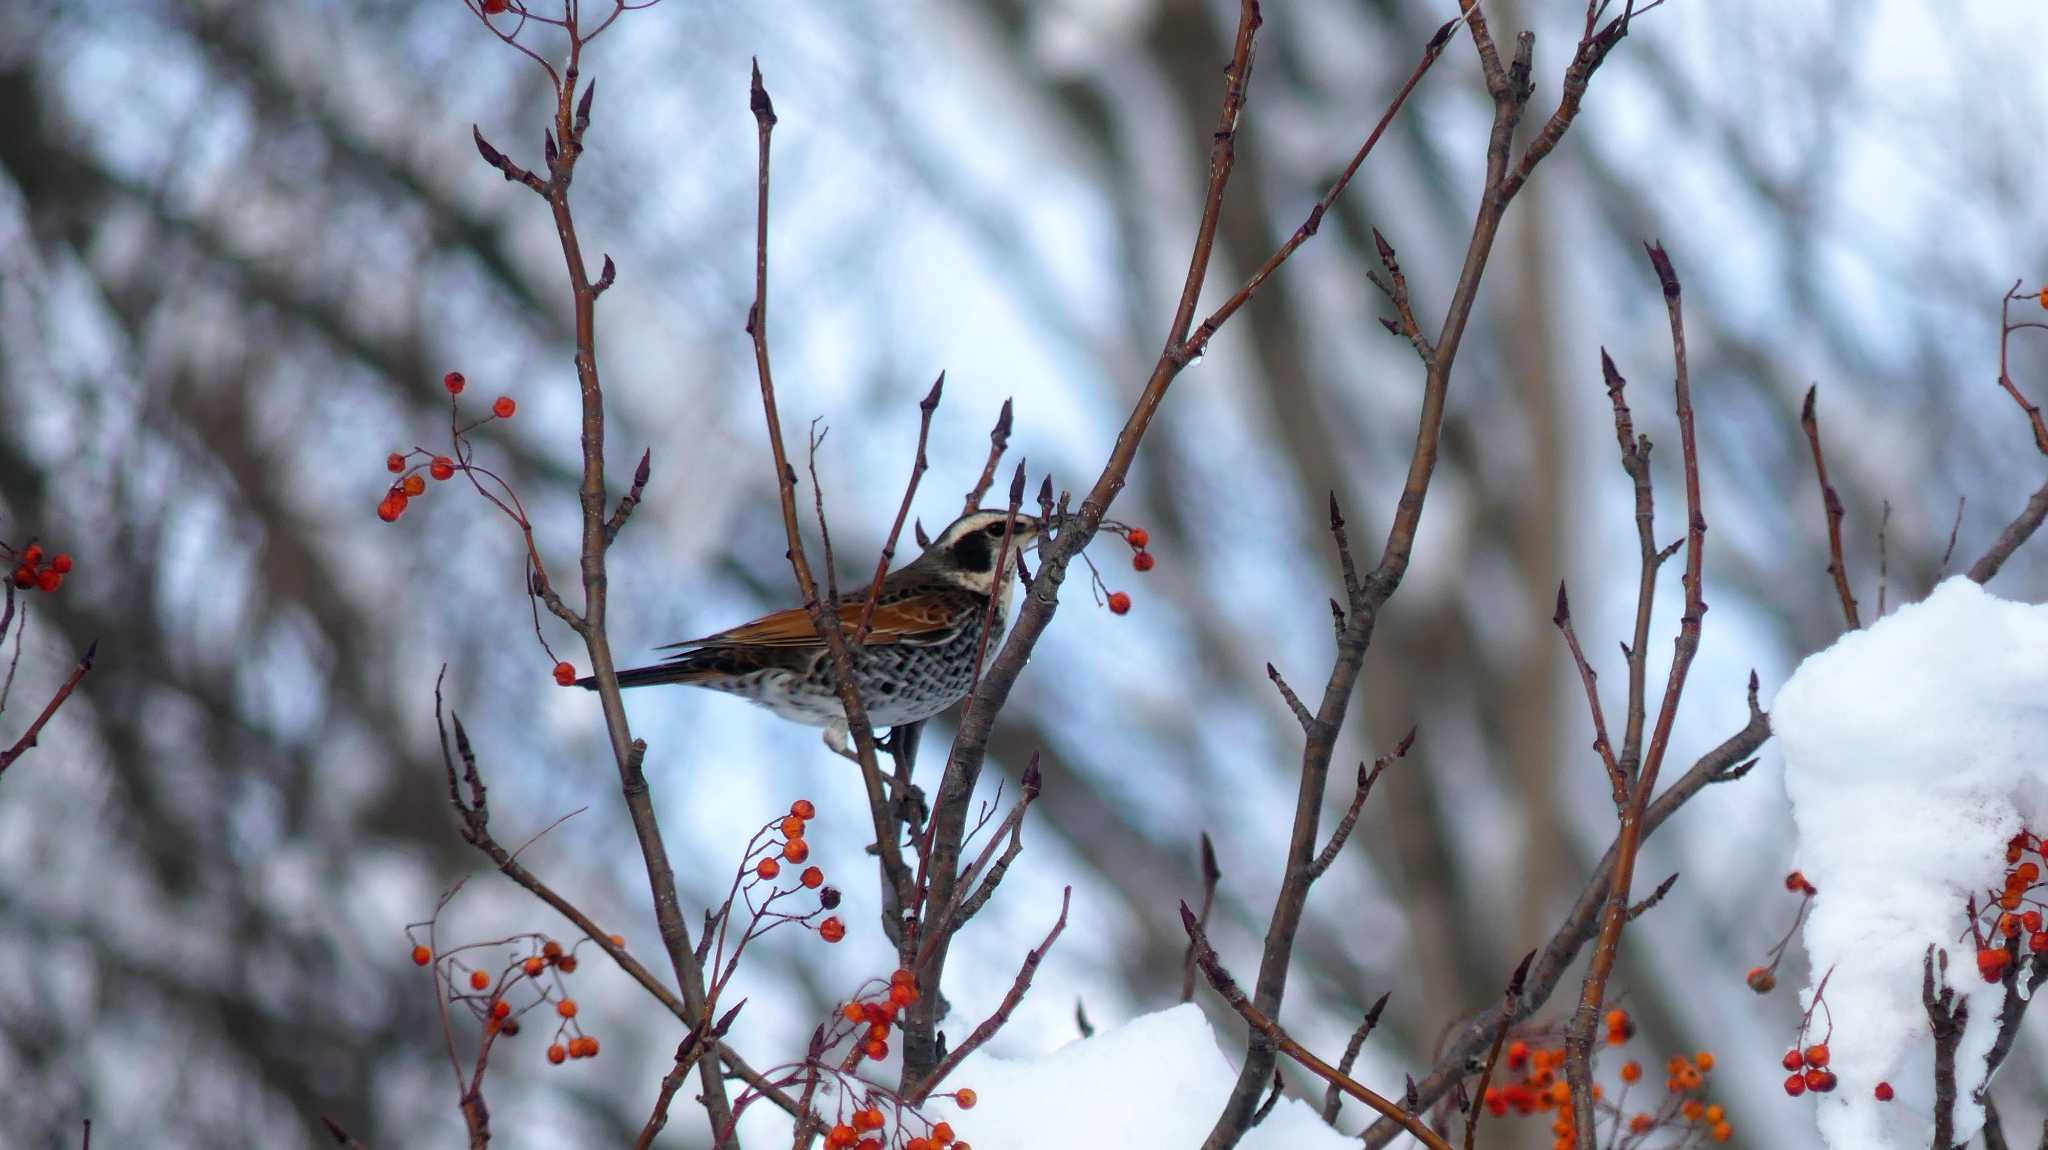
(836,738)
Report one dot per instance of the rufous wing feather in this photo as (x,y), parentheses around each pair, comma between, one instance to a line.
(907,620)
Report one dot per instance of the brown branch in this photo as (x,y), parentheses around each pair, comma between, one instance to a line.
(1635,461)
(33,734)
(2010,1012)
(925,409)
(1334,1099)
(1562,620)
(1211,875)
(1725,763)
(1349,819)
(688,1051)
(995,1021)
(631,498)
(1294,703)
(998,442)
(1269,1030)
(896,878)
(1516,982)
(1579,1040)
(1831,503)
(1946,1018)
(2012,538)
(2005,329)
(1272,1099)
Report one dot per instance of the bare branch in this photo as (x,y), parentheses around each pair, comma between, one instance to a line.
(1831,503)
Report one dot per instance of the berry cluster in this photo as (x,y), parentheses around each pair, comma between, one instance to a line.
(1807,1060)
(33,573)
(1539,1088)
(1119,602)
(1764,979)
(409,466)
(885,1121)
(539,966)
(2011,919)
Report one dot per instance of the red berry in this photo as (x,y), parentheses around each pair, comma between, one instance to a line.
(793,827)
(24,577)
(1820,1081)
(1795,1085)
(394,463)
(533,967)
(832,930)
(478,979)
(1119,603)
(1817,1054)
(942,1133)
(813,877)
(796,850)
(62,566)
(392,507)
(1992,962)
(965,1097)
(1884,1092)
(454,382)
(565,673)
(49,580)
(1793,1060)
(1761,980)
(414,484)
(1138,538)
(876,1049)
(902,994)
(442,467)
(551,949)
(566,964)
(556,1054)
(768,868)
(421,956)
(590,1046)
(803,809)
(504,407)
(493,7)
(1142,561)
(566,1008)
(500,1008)
(33,557)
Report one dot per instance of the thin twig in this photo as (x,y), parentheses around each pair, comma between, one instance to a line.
(925,409)
(34,732)
(995,1021)
(1349,820)
(1516,982)
(1334,1099)
(1831,503)
(1562,619)
(1211,875)
(998,442)
(1267,1028)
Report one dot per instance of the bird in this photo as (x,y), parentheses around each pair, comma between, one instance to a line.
(917,660)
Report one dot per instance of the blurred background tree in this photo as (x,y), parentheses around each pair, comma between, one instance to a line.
(240,242)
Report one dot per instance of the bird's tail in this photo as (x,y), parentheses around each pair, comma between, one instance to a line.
(681,670)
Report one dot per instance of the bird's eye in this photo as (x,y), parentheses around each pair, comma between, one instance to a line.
(994,530)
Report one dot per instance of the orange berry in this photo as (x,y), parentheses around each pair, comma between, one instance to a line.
(2039,943)
(566,1008)
(902,994)
(566,964)
(2010,900)
(62,566)
(852,1012)
(1820,1081)
(414,484)
(421,956)
(812,877)
(1518,1054)
(389,509)
(832,930)
(1714,1112)
(1692,1109)
(533,967)
(793,827)
(1704,1060)
(768,868)
(478,979)
(1142,561)
(942,1133)
(1119,603)
(1817,1054)
(869,1144)
(965,1098)
(1793,1060)
(803,809)
(1884,1092)
(1631,1071)
(442,467)
(556,1054)
(565,673)
(1721,1132)
(918,1144)
(2031,920)
(900,976)
(590,1046)
(500,1008)
(796,850)
(618,940)
(394,463)
(454,382)
(1641,1124)
(841,1136)
(1137,538)
(1689,1078)
(868,1119)
(876,1049)
(1617,1018)
(1560,1093)
(1761,980)
(504,407)
(1992,963)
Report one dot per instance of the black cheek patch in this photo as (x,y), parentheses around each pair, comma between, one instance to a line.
(972,553)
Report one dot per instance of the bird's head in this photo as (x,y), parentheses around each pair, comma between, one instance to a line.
(966,552)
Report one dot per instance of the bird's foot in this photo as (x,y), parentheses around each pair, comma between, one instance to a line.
(836,739)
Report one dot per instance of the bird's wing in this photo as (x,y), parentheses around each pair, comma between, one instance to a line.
(921,617)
